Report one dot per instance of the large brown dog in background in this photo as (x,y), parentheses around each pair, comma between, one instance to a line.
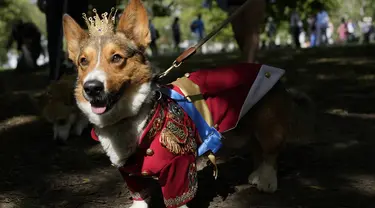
(115,90)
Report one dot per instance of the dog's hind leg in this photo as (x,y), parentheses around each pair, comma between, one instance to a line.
(270,127)
(139,204)
(265,161)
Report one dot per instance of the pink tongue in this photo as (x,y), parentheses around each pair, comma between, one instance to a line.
(98,110)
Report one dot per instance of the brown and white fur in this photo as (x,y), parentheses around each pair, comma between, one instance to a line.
(115,86)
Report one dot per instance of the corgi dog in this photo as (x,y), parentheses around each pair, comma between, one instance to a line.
(145,131)
(59,108)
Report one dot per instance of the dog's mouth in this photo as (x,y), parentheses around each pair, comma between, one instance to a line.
(104,102)
(98,108)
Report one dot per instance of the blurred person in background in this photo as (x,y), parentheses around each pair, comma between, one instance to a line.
(176,32)
(28,39)
(247,37)
(367,29)
(342,31)
(311,21)
(322,24)
(330,30)
(54,10)
(351,30)
(295,27)
(154,37)
(271,32)
(197,28)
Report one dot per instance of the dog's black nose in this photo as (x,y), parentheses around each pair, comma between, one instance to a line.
(93,88)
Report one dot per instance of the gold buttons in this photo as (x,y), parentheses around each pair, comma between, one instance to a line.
(145,173)
(149,152)
(267,74)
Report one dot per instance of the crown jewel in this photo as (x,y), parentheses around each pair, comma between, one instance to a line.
(101,26)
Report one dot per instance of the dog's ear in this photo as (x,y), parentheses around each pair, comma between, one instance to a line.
(134,24)
(74,34)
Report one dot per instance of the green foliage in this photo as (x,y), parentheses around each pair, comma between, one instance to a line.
(189,9)
(13,10)
(214,17)
(352,9)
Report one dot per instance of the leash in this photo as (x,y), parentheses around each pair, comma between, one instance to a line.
(192,50)
(212,142)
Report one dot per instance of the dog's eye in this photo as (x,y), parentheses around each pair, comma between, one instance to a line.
(83,61)
(116,58)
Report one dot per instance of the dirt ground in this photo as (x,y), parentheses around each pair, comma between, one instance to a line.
(336,170)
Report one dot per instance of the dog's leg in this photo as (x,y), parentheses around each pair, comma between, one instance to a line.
(270,128)
(266,148)
(144,204)
(265,176)
(61,131)
(80,125)
(139,204)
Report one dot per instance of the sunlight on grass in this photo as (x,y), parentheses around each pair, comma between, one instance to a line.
(311,184)
(366,77)
(345,145)
(16,121)
(342,61)
(337,111)
(302,70)
(326,77)
(324,60)
(345,113)
(363,183)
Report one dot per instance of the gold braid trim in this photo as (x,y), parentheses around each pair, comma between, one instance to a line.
(180,200)
(177,140)
(190,194)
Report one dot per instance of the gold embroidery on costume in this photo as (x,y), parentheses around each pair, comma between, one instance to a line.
(157,124)
(177,136)
(193,187)
(192,176)
(175,112)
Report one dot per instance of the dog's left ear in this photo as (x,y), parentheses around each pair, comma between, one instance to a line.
(134,24)
(74,34)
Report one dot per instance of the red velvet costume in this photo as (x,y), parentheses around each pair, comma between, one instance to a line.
(225,90)
(168,146)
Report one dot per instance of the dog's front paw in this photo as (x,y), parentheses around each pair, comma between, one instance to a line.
(139,204)
(264,178)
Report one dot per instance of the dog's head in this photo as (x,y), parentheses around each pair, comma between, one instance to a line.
(114,76)
(58,107)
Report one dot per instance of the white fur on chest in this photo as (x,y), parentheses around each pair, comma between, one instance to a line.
(119,141)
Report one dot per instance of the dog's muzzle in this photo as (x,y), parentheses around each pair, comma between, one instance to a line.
(101,101)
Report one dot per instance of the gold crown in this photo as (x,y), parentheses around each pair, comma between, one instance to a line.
(101,26)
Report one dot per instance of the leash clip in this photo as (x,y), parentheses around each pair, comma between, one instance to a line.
(174,65)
